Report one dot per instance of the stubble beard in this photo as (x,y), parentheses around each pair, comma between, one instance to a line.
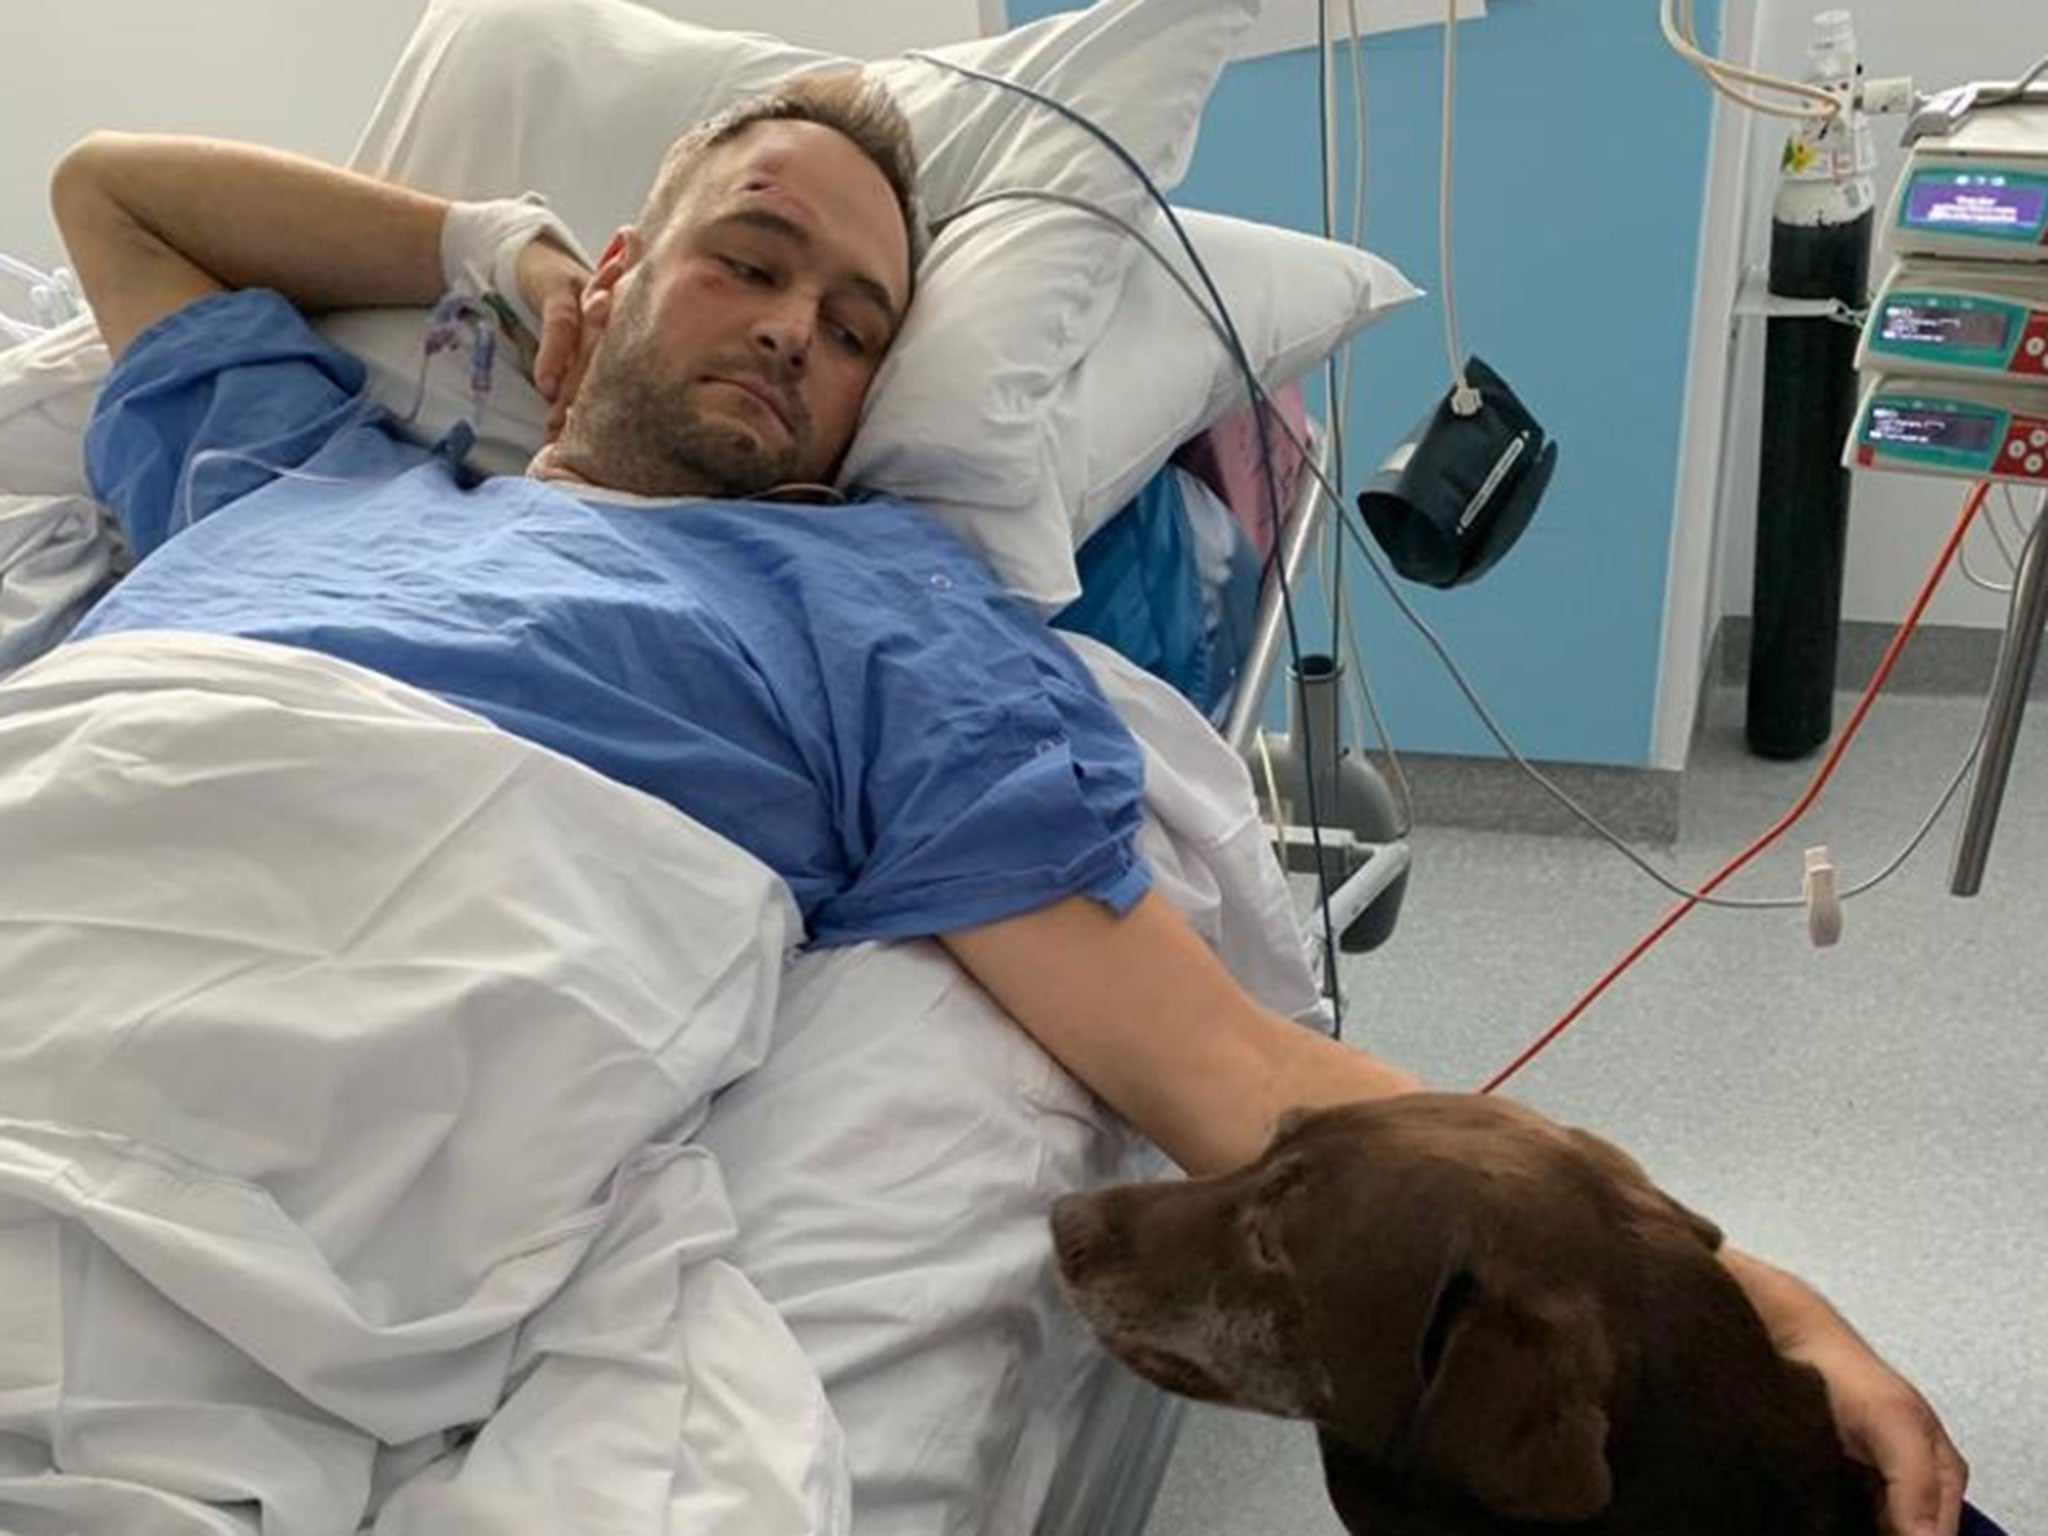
(636,427)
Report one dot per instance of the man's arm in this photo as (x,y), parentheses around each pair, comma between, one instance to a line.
(1139,1009)
(153,223)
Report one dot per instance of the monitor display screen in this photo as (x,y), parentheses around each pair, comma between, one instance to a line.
(1955,429)
(1973,203)
(1963,327)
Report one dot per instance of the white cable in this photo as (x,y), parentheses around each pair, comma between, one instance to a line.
(1403,792)
(1998,537)
(246,453)
(1346,389)
(1719,73)
(1990,525)
(1272,785)
(1464,398)
(1358,122)
(1820,104)
(38,286)
(2022,525)
(1326,125)
(2003,589)
(22,270)
(1759,104)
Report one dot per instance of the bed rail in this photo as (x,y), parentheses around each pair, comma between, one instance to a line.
(1357,849)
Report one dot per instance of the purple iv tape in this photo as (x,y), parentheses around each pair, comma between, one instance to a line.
(455,313)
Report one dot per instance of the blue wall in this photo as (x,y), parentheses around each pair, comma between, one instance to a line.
(1581,163)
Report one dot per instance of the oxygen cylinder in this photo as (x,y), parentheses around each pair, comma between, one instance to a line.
(1821,226)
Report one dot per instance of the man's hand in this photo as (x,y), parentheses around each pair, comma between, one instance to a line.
(1887,1425)
(551,281)
(1882,1420)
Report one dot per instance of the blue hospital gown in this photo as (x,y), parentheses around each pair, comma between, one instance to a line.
(845,692)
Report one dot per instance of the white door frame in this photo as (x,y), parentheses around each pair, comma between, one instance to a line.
(1692,587)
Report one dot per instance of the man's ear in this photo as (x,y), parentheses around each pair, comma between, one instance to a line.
(1514,1414)
(595,306)
(621,254)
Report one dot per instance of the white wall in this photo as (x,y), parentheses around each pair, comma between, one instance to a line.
(1897,522)
(1714,412)
(301,74)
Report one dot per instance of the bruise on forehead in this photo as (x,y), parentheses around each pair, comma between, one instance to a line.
(746,181)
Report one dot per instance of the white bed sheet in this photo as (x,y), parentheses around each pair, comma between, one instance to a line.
(55,557)
(350,1057)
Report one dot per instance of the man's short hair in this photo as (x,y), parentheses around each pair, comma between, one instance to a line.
(844,100)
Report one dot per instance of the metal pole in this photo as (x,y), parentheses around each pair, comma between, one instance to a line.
(1295,537)
(2017,655)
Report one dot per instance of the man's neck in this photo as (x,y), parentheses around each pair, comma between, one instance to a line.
(550,466)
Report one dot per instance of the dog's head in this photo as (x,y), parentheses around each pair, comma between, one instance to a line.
(1441,1282)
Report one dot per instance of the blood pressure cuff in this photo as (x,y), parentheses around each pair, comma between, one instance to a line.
(1457,493)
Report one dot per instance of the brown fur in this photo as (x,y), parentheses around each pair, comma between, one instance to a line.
(1497,1325)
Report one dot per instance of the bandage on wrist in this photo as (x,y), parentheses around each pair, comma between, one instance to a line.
(480,246)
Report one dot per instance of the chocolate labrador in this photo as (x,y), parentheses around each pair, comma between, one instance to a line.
(1497,1325)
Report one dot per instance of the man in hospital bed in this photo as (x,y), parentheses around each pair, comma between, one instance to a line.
(844,691)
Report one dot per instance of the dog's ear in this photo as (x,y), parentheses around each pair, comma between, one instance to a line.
(1513,1411)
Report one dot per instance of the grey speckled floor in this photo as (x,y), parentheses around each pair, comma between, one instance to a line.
(1874,1116)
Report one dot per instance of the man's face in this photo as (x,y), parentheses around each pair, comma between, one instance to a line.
(738,346)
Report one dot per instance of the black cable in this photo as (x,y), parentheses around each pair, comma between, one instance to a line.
(1256,395)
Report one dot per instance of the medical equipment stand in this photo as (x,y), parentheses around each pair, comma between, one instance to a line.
(2017,655)
(1943,117)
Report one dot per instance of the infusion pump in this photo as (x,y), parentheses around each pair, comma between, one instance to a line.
(1955,350)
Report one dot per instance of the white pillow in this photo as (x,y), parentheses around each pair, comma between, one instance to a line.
(1160,374)
(578,99)
(1157,376)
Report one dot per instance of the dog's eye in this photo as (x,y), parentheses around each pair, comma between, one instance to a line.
(1264,1219)
(1263,1236)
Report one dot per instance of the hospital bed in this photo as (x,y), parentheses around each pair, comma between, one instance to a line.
(890,1163)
